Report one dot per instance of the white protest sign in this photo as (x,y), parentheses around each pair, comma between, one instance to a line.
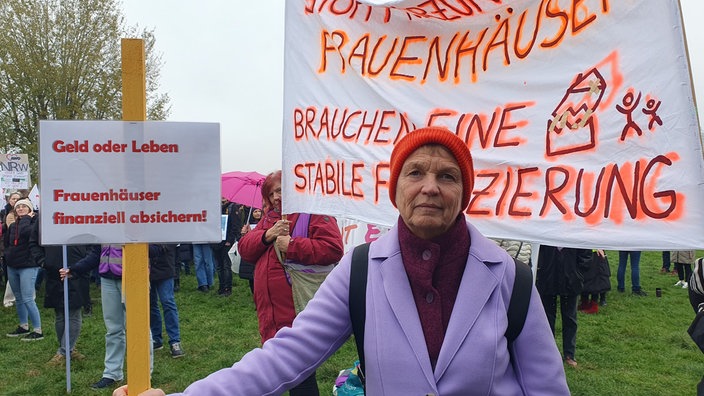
(579,115)
(14,171)
(125,182)
(34,197)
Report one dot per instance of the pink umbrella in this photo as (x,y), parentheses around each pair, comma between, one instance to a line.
(244,188)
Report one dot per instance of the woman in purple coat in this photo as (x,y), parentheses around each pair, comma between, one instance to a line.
(437,297)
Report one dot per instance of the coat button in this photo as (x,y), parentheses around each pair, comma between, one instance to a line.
(429,298)
(427,255)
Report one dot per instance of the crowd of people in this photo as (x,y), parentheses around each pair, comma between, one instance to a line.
(433,281)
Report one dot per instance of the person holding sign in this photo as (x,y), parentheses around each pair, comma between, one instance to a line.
(437,297)
(108,259)
(51,259)
(321,245)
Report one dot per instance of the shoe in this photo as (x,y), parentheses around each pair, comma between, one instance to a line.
(158,346)
(621,290)
(33,336)
(177,286)
(592,308)
(87,310)
(57,360)
(664,270)
(225,292)
(203,288)
(19,331)
(176,351)
(639,293)
(75,355)
(673,272)
(104,383)
(570,362)
(685,285)
(679,283)
(602,302)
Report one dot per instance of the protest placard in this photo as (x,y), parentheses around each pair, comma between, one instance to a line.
(14,171)
(124,182)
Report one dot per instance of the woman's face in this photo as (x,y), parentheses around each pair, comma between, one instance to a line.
(257,214)
(275,196)
(22,210)
(429,191)
(13,199)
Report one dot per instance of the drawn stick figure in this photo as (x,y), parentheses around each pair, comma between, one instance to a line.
(652,107)
(629,105)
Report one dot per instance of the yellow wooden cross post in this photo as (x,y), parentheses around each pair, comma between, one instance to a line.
(135,257)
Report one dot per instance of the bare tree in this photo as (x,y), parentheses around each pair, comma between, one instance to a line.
(60,59)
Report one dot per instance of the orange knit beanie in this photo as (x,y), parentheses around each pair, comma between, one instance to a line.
(432,135)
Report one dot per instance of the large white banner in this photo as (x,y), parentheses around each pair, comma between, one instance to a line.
(579,114)
(126,182)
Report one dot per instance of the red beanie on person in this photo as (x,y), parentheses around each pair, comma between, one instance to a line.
(432,135)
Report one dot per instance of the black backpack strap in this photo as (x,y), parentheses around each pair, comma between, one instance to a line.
(358,299)
(520,300)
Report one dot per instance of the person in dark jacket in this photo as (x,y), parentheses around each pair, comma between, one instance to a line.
(184,259)
(247,268)
(597,281)
(162,268)
(695,286)
(51,259)
(232,234)
(9,206)
(5,222)
(22,271)
(560,274)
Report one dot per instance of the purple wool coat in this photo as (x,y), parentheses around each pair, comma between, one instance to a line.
(473,360)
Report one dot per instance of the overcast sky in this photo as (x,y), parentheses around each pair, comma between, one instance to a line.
(223,62)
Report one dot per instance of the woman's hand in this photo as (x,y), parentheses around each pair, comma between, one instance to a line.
(122,391)
(282,243)
(245,229)
(279,229)
(64,273)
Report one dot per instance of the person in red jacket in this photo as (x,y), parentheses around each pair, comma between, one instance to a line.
(273,295)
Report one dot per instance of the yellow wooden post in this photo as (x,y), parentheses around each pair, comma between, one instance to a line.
(135,257)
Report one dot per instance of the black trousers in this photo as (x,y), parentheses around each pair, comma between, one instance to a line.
(222,266)
(309,387)
(568,314)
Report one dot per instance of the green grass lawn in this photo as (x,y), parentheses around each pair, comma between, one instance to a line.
(633,346)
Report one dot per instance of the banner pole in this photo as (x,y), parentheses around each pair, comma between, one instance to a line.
(67,336)
(135,258)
